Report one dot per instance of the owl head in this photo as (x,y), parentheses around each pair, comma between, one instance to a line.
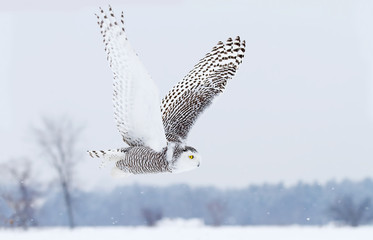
(185,159)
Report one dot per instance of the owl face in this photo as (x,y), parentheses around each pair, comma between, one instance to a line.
(189,159)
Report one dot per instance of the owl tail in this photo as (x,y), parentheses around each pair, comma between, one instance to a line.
(111,155)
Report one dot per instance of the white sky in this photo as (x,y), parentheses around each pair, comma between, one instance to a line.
(300,107)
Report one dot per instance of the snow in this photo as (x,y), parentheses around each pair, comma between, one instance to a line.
(180,223)
(191,232)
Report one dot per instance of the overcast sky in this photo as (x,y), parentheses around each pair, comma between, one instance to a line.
(299,108)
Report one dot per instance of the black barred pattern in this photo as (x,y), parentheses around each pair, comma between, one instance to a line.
(142,159)
(191,96)
(111,152)
(139,160)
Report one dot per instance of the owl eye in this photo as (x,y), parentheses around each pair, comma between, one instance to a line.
(191,156)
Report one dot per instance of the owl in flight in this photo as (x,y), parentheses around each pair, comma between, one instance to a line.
(157,134)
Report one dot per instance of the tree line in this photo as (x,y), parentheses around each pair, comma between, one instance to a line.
(24,203)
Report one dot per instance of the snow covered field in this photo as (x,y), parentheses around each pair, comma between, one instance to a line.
(192,233)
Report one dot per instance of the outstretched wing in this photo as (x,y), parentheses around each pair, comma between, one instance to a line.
(135,98)
(187,100)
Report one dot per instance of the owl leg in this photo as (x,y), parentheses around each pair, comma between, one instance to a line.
(117,173)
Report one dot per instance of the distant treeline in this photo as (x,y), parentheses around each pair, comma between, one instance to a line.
(345,202)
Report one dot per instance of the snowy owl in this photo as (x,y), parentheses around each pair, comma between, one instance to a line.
(156,133)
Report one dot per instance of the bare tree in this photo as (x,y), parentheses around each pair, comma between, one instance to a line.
(57,140)
(22,200)
(216,210)
(151,215)
(346,211)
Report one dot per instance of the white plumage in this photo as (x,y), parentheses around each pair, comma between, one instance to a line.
(135,98)
(157,135)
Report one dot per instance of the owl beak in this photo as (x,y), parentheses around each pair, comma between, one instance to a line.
(198,164)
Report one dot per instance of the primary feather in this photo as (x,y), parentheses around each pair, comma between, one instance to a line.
(191,96)
(135,97)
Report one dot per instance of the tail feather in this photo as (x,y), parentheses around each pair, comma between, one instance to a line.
(111,154)
(96,154)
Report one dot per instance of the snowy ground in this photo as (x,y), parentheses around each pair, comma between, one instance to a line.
(192,233)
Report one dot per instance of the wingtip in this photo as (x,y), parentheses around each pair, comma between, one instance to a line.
(90,153)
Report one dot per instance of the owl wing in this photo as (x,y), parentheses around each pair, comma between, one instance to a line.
(135,97)
(191,96)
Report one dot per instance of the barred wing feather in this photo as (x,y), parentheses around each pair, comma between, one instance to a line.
(191,96)
(135,98)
